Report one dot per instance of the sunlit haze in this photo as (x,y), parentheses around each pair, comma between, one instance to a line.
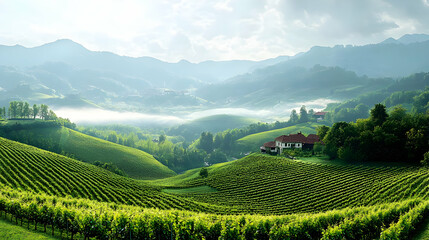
(209,30)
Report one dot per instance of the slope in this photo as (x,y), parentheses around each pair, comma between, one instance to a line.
(254,141)
(135,163)
(265,185)
(33,169)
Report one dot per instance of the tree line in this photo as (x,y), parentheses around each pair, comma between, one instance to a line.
(398,136)
(20,109)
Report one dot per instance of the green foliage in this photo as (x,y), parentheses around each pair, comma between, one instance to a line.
(303,115)
(400,137)
(379,114)
(215,157)
(206,142)
(92,219)
(204,172)
(293,117)
(421,102)
(110,167)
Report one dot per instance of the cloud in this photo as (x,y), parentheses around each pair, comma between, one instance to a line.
(199,30)
(100,116)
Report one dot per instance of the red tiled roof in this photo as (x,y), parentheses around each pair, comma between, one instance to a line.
(298,138)
(292,138)
(271,144)
(320,114)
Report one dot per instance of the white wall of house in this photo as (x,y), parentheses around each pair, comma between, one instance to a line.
(282,146)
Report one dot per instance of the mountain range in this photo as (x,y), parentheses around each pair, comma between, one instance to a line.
(65,74)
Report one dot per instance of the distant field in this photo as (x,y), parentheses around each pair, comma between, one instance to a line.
(254,141)
(135,163)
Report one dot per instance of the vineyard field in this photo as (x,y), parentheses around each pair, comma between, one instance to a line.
(85,219)
(135,163)
(30,168)
(266,184)
(259,196)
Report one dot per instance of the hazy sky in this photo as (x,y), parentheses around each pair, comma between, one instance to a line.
(199,30)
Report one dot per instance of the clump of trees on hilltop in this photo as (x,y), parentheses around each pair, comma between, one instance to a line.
(398,136)
(23,110)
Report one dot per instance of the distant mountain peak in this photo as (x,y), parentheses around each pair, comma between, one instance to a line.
(64,43)
(407,39)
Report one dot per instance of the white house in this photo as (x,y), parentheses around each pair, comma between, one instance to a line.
(289,142)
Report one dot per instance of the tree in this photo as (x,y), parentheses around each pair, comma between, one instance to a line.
(26,110)
(421,102)
(293,117)
(35,111)
(303,115)
(162,138)
(206,142)
(13,111)
(217,141)
(321,131)
(19,109)
(204,173)
(113,137)
(379,114)
(44,111)
(215,157)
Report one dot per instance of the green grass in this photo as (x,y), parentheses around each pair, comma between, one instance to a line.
(254,141)
(199,189)
(10,231)
(135,163)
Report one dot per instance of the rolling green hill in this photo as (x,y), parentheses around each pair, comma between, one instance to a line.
(29,168)
(266,184)
(135,163)
(254,141)
(320,201)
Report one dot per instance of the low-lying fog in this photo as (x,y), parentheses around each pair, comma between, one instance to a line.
(279,112)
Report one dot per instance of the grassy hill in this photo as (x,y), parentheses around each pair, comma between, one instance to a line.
(254,141)
(29,168)
(135,163)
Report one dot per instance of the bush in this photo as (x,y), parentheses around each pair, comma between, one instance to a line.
(204,173)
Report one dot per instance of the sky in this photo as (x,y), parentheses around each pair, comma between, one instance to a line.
(199,30)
